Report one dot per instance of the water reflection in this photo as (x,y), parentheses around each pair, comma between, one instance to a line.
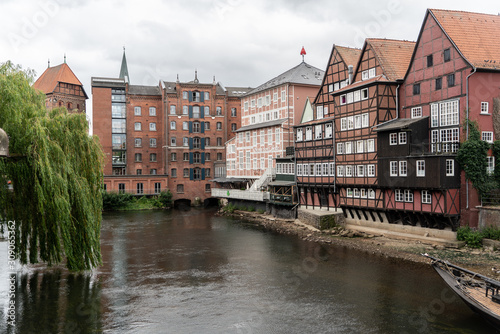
(192,272)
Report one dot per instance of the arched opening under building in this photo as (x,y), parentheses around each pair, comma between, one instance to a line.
(182,204)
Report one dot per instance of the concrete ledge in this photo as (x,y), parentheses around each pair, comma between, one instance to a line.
(321,219)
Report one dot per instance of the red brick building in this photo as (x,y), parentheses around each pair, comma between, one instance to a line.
(163,137)
(201,118)
(454,74)
(62,88)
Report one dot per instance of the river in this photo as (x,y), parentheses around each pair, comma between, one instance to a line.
(194,272)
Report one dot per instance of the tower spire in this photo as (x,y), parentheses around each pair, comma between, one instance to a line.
(65,58)
(303,53)
(124,68)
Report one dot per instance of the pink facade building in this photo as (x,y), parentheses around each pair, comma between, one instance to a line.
(269,113)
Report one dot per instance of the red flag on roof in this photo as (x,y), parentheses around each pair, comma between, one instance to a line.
(303,51)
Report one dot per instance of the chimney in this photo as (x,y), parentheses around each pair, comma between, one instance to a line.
(350,71)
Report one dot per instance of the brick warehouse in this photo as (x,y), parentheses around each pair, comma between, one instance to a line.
(162,137)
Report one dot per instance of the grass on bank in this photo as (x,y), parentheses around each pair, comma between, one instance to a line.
(124,201)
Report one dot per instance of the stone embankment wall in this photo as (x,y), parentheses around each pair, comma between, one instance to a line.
(489,216)
(321,220)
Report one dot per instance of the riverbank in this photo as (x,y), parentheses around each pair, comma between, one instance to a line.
(485,261)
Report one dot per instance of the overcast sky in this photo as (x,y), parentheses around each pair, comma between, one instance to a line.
(243,43)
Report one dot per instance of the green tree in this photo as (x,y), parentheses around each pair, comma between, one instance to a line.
(472,157)
(56,172)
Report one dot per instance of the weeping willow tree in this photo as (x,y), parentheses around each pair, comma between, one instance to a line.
(55,169)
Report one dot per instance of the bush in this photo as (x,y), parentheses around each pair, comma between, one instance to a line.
(229,208)
(472,238)
(113,201)
(251,209)
(491,232)
(164,200)
(261,211)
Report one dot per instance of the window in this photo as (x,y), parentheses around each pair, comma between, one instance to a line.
(185,172)
(447,55)
(328,130)
(371,193)
(196,127)
(357,96)
(360,170)
(245,106)
(340,148)
(434,115)
(350,123)
(449,140)
(430,61)
(137,126)
(180,188)
(173,156)
(350,97)
(219,141)
(450,167)
(196,173)
(207,125)
(365,120)
(364,75)
(185,110)
(318,170)
(403,168)
(348,171)
(119,141)
(138,142)
(487,136)
(399,195)
(402,138)
(283,95)
(490,165)
(416,112)
(207,156)
(393,139)
(356,193)
(319,112)
(370,145)
(152,157)
(118,126)
(348,192)
(394,168)
(408,196)
(439,83)
(137,111)
(318,132)
(207,143)
(157,187)
(152,111)
(207,111)
(138,171)
(219,156)
(299,135)
(207,187)
(371,72)
(219,126)
(426,197)
(196,142)
(359,146)
(172,110)
(196,112)
(448,113)
(121,188)
(207,95)
(140,188)
(451,80)
(343,99)
(416,89)
(138,157)
(308,134)
(357,121)
(184,95)
(364,94)
(119,157)
(152,142)
(173,172)
(196,157)
(185,156)
(343,124)
(152,126)
(218,111)
(185,141)
(118,110)
(484,107)
(233,112)
(420,167)
(299,169)
(173,141)
(172,125)
(348,147)
(370,170)
(340,171)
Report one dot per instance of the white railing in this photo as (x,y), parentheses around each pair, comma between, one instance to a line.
(264,180)
(249,195)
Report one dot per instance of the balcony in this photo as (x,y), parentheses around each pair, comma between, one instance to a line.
(249,195)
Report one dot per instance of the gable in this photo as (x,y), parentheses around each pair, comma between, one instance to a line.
(307,113)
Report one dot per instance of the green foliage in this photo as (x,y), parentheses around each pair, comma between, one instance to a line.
(261,211)
(251,209)
(56,175)
(472,238)
(472,159)
(115,201)
(491,232)
(496,154)
(165,199)
(229,208)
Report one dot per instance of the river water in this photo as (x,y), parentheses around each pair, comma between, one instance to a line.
(193,272)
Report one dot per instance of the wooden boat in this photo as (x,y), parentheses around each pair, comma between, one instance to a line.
(479,292)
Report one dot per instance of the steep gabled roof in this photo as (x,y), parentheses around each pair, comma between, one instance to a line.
(349,55)
(393,56)
(301,74)
(475,35)
(49,79)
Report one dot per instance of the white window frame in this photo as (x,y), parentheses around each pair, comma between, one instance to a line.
(371,193)
(399,195)
(348,192)
(393,138)
(485,108)
(328,130)
(416,112)
(402,138)
(348,171)
(403,168)
(364,94)
(420,166)
(340,171)
(450,167)
(487,136)
(365,120)
(490,165)
(393,168)
(318,131)
(425,197)
(300,135)
(357,122)
(370,170)
(319,112)
(350,123)
(343,124)
(370,145)
(408,196)
(348,147)
(361,170)
(138,126)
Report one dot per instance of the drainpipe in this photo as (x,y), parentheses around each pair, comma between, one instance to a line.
(467,130)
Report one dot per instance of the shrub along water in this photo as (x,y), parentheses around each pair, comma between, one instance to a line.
(474,238)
